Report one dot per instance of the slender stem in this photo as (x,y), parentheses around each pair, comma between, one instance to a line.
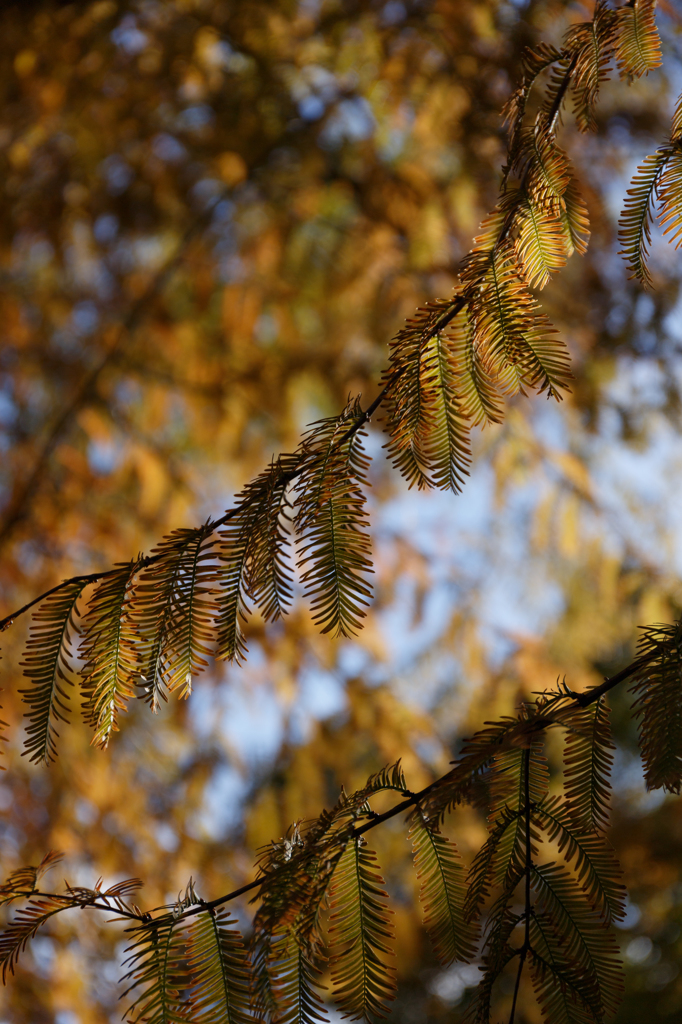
(522,959)
(555,109)
(590,696)
(523,952)
(529,845)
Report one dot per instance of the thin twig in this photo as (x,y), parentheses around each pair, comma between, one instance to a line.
(523,952)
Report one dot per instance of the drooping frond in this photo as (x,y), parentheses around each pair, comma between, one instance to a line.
(638,46)
(441,445)
(517,343)
(172,609)
(593,43)
(544,167)
(546,358)
(254,548)
(676,127)
(49,651)
(591,855)
(157,961)
(516,776)
(670,195)
(476,392)
(422,418)
(540,245)
(297,870)
(482,870)
(658,705)
(296,984)
(587,946)
(443,891)
(565,996)
(360,931)
(28,920)
(268,577)
(109,653)
(588,759)
(497,953)
(638,210)
(218,968)
(575,220)
(331,519)
(24,881)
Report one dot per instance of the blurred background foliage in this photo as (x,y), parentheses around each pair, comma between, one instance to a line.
(214,214)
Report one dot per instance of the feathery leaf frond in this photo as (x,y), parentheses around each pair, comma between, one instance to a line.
(575,220)
(42,906)
(172,610)
(544,167)
(446,446)
(296,985)
(254,548)
(565,996)
(157,961)
(597,869)
(49,651)
(635,221)
(508,795)
(331,523)
(516,342)
(28,920)
(497,954)
(443,891)
(658,705)
(268,576)
(670,195)
(540,245)
(638,48)
(360,930)
(676,127)
(593,43)
(482,870)
(109,653)
(422,418)
(586,944)
(476,393)
(588,759)
(218,967)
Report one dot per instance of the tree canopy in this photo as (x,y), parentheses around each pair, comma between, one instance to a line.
(219,219)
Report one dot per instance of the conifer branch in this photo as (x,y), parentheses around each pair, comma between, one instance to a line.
(413,799)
